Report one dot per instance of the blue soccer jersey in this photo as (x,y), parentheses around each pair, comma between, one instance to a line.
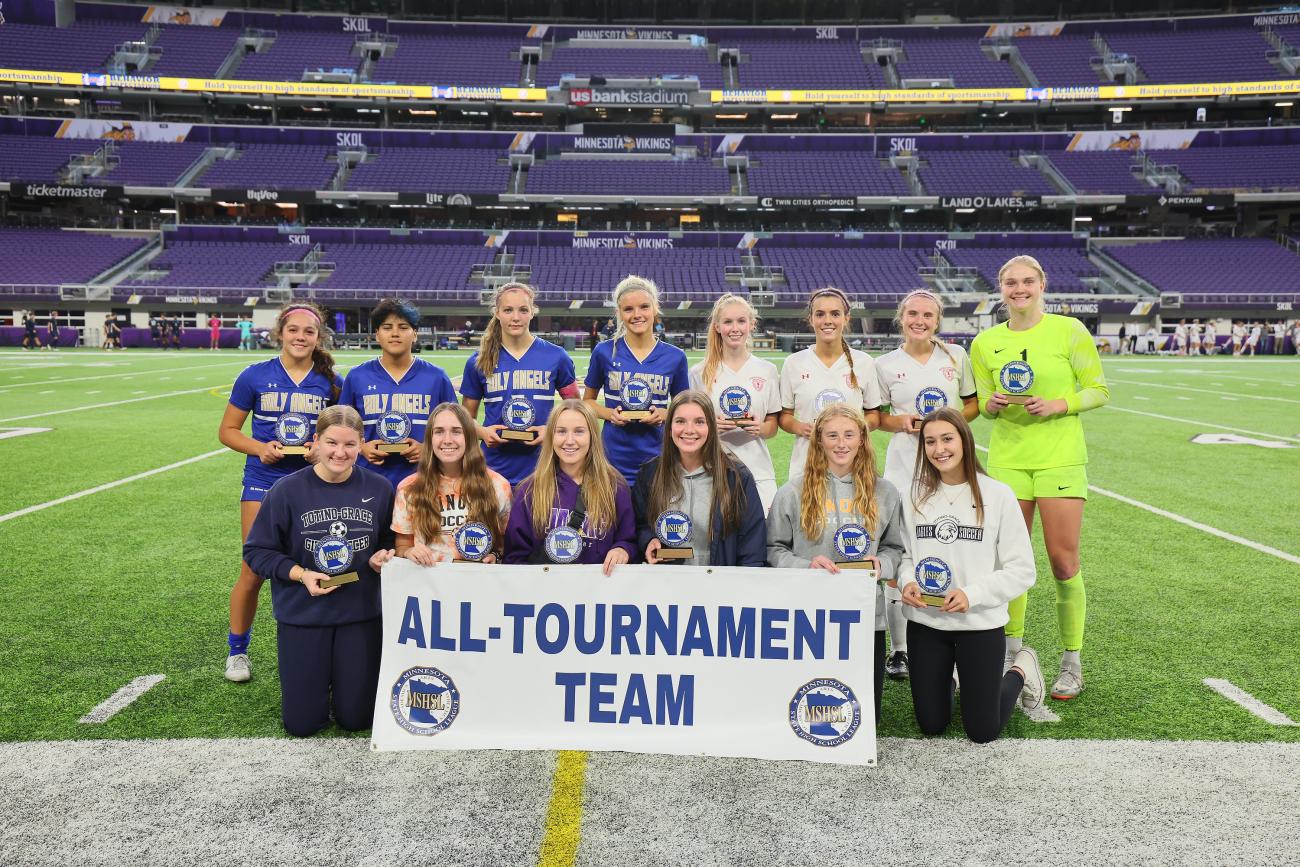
(267,391)
(666,373)
(537,375)
(374,393)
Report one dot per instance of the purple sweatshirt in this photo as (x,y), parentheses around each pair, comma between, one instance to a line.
(521,541)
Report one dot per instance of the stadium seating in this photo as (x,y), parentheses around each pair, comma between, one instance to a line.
(192,50)
(290,167)
(53,256)
(1100,172)
(461,170)
(1065,266)
(629,176)
(297,51)
(152,164)
(561,273)
(1223,266)
(957,57)
(468,60)
(1205,54)
(416,270)
(822,173)
(884,271)
(783,62)
(33,158)
(197,264)
(1259,167)
(957,173)
(1059,61)
(85,46)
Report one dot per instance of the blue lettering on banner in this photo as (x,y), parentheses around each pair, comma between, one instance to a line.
(674,698)
(635,630)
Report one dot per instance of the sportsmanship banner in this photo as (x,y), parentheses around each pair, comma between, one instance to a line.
(421,92)
(683,660)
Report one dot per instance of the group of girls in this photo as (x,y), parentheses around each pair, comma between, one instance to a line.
(952,554)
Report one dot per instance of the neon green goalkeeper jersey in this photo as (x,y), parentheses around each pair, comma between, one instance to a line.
(1056,359)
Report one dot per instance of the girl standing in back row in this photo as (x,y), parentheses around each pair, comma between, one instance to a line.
(826,373)
(1050,363)
(285,395)
(730,367)
(513,365)
(917,378)
(656,370)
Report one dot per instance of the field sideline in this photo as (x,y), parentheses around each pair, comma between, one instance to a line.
(119,537)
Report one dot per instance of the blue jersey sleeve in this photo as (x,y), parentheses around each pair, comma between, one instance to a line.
(243,395)
(472,382)
(348,394)
(596,371)
(565,373)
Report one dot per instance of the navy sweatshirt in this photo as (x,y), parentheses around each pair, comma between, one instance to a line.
(746,546)
(332,528)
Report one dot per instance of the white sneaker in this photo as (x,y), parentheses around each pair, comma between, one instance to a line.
(1069,683)
(1031,696)
(237,668)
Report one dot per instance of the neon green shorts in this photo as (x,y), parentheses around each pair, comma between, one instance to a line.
(1071,481)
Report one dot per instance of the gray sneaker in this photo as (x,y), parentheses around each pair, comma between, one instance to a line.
(1069,683)
(237,668)
(1031,696)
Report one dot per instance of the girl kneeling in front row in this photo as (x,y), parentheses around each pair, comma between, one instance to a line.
(970,556)
(695,477)
(326,521)
(840,509)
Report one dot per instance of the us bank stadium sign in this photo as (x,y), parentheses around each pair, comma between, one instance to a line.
(628,96)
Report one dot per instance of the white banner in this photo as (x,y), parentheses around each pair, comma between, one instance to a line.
(759,663)
(1132,140)
(184,15)
(1032,28)
(123,130)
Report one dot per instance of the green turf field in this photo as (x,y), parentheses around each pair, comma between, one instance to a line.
(134,579)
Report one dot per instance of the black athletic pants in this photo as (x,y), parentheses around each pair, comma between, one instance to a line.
(879,669)
(320,663)
(988,696)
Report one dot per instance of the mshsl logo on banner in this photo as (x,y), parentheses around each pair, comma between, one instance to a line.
(758,663)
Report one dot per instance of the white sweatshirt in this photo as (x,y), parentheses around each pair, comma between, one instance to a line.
(993,563)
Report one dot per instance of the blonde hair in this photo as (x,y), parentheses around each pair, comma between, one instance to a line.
(848,314)
(633,283)
(489,346)
(816,487)
(341,415)
(600,480)
(1026,260)
(938,303)
(713,344)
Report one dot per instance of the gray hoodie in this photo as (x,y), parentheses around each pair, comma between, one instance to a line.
(788,548)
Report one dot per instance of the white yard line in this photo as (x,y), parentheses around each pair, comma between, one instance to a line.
(1195,525)
(1195,423)
(110,403)
(109,707)
(1237,695)
(9,433)
(199,367)
(109,485)
(1200,390)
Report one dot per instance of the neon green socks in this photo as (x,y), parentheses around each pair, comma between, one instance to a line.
(1071,610)
(1016,609)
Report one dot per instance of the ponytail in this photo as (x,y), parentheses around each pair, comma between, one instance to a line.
(853,373)
(489,345)
(322,362)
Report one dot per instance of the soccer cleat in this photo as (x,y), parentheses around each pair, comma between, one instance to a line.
(237,668)
(896,666)
(1069,683)
(1031,696)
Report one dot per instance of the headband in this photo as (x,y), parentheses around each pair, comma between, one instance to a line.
(313,313)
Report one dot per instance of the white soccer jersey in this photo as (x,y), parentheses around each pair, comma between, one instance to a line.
(909,387)
(1238,332)
(808,386)
(1254,336)
(1180,335)
(761,380)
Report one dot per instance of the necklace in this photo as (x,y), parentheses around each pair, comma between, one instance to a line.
(958,491)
